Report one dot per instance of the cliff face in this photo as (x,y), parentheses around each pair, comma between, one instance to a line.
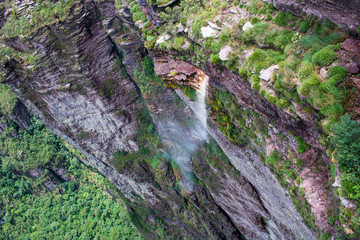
(344,13)
(91,84)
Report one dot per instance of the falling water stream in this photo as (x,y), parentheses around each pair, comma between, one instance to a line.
(200,109)
(184,140)
(201,95)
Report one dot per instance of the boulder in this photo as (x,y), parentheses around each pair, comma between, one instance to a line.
(323,73)
(352,45)
(163,38)
(208,32)
(247,26)
(180,28)
(265,74)
(225,53)
(214,26)
(353,68)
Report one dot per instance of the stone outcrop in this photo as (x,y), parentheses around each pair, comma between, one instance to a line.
(344,13)
(82,87)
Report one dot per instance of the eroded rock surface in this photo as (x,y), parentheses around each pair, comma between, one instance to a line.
(345,13)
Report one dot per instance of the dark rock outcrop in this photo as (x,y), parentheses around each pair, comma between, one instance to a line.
(344,13)
(20,116)
(82,88)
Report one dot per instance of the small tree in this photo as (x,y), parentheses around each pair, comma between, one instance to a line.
(347,142)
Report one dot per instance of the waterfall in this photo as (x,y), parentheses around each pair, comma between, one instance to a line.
(200,110)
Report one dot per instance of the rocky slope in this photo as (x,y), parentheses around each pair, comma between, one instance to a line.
(343,13)
(89,78)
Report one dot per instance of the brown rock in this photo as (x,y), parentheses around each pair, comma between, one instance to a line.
(353,68)
(352,45)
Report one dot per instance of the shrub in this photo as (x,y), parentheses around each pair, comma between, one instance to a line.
(255,33)
(179,42)
(347,139)
(232,61)
(336,75)
(324,57)
(274,159)
(271,98)
(304,26)
(254,20)
(282,102)
(215,59)
(255,82)
(283,39)
(257,60)
(302,146)
(183,21)
(262,92)
(7,99)
(224,38)
(269,37)
(308,84)
(108,88)
(243,72)
(255,5)
(306,69)
(283,18)
(139,15)
(215,47)
(223,5)
(337,70)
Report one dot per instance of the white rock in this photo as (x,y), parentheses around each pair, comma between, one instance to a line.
(225,53)
(247,26)
(323,73)
(186,45)
(180,28)
(233,11)
(247,53)
(214,26)
(208,32)
(337,182)
(265,74)
(346,203)
(163,38)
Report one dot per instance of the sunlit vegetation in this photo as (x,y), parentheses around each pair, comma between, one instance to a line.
(42,13)
(80,208)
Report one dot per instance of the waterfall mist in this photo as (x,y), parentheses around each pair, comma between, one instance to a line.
(183,140)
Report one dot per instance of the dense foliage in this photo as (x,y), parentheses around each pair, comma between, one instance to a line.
(347,142)
(81,208)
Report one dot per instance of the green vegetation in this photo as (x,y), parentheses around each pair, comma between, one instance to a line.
(17,148)
(284,170)
(147,79)
(231,118)
(179,42)
(347,142)
(80,208)
(324,57)
(43,13)
(302,146)
(283,18)
(215,59)
(7,99)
